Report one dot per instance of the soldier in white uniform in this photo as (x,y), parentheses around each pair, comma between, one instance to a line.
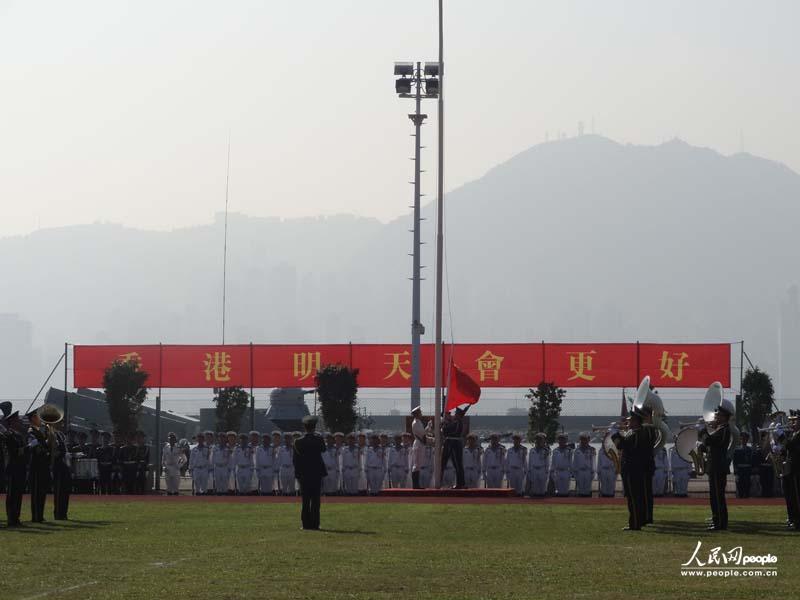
(172,458)
(680,474)
(362,463)
(494,462)
(583,466)
(606,475)
(220,457)
(375,465)
(209,439)
(243,465)
(418,453)
(265,465)
(561,465)
(515,464)
(350,466)
(473,454)
(538,466)
(426,471)
(398,463)
(660,474)
(286,466)
(199,465)
(330,483)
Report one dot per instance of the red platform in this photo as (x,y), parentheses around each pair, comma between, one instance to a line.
(449,493)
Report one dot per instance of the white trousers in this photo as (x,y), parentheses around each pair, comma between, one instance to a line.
(537,482)
(287,481)
(173,479)
(493,477)
(397,477)
(266,481)
(659,482)
(221,480)
(516,479)
(607,480)
(680,482)
(244,479)
(375,480)
(472,477)
(583,482)
(561,481)
(350,481)
(200,480)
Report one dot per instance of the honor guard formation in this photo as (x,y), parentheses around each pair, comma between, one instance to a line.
(39,458)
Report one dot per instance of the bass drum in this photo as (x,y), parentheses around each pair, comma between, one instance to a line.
(86,468)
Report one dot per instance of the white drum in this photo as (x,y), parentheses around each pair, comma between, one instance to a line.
(86,468)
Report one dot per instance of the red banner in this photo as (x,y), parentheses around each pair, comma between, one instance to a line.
(389,365)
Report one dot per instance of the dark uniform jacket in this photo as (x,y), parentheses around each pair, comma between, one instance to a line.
(637,448)
(743,460)
(717,444)
(307,457)
(793,453)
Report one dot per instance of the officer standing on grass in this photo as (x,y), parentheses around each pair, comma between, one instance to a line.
(39,478)
(743,466)
(17,455)
(637,452)
(716,442)
(309,469)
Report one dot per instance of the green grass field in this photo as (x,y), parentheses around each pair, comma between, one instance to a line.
(152,550)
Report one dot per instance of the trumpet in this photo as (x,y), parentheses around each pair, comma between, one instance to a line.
(621,424)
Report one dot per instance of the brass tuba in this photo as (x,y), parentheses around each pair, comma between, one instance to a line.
(50,415)
(646,398)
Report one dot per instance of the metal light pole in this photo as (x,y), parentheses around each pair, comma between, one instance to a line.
(437,461)
(412,76)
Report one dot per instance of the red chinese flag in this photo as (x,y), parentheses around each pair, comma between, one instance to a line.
(462,389)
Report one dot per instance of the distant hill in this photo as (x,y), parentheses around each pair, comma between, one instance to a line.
(576,239)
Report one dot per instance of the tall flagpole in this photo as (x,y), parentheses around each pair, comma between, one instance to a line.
(439,264)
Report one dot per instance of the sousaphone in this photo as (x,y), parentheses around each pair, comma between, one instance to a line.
(647,398)
(50,414)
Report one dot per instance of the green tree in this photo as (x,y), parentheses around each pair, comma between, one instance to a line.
(545,409)
(232,402)
(756,401)
(124,382)
(337,388)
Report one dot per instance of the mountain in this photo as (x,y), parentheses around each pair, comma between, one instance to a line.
(571,240)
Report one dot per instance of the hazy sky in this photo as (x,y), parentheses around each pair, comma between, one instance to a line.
(120,111)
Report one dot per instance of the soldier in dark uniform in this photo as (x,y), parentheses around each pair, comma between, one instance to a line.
(791,477)
(62,477)
(453,436)
(716,443)
(766,472)
(93,444)
(105,463)
(17,454)
(130,465)
(637,451)
(309,469)
(116,466)
(39,477)
(743,466)
(5,408)
(142,463)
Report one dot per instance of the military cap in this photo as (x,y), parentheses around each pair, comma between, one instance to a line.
(727,407)
(30,413)
(460,411)
(12,416)
(494,435)
(562,436)
(584,434)
(338,434)
(541,435)
(230,433)
(310,420)
(516,436)
(105,434)
(472,436)
(6,408)
(254,432)
(416,409)
(275,432)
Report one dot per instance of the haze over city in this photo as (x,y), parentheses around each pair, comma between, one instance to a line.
(632,167)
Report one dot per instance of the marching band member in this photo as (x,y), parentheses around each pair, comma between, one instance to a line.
(39,478)
(142,463)
(716,443)
(286,466)
(199,462)
(172,459)
(743,466)
(243,465)
(330,483)
(637,452)
(679,470)
(473,455)
(16,455)
(493,462)
(398,463)
(606,475)
(374,464)
(660,475)
(105,463)
(538,465)
(350,466)
(583,465)
(792,478)
(515,465)
(561,465)
(220,460)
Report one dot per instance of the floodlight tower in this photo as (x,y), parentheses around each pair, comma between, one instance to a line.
(425,84)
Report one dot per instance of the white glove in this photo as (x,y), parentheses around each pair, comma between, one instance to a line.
(700,427)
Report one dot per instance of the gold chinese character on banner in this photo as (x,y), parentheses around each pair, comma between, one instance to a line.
(217,366)
(397,364)
(580,363)
(131,357)
(489,366)
(672,365)
(306,364)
